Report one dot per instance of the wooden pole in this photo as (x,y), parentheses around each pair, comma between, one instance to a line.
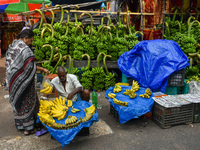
(163,23)
(141,22)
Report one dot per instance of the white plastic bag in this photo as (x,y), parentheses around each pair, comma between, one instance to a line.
(194,87)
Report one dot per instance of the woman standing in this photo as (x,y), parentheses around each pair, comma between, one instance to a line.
(20,73)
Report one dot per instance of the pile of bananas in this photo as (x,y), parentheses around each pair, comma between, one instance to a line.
(135,86)
(111,95)
(58,109)
(147,93)
(117,88)
(131,93)
(118,102)
(75,110)
(47,88)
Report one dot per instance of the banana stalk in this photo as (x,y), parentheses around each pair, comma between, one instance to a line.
(189,19)
(52,30)
(80,29)
(62,13)
(75,15)
(42,18)
(118,16)
(105,27)
(42,32)
(138,32)
(51,57)
(176,10)
(108,18)
(88,57)
(53,16)
(104,63)
(91,23)
(190,26)
(167,28)
(98,58)
(60,59)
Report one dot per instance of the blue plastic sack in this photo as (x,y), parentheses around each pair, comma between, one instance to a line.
(66,136)
(151,62)
(136,106)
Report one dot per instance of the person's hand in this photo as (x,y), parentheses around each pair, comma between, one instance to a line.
(70,96)
(46,71)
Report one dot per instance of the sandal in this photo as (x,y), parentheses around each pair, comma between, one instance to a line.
(29,132)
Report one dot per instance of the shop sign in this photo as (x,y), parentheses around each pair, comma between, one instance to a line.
(12,18)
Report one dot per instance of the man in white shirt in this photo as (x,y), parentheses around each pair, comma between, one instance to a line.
(68,86)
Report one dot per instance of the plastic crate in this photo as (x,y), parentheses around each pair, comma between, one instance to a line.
(114,113)
(177,78)
(126,79)
(196,113)
(185,88)
(166,117)
(171,90)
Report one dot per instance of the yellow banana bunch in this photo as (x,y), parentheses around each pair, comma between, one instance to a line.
(147,93)
(73,125)
(117,88)
(45,103)
(131,93)
(87,117)
(45,118)
(75,110)
(69,103)
(111,95)
(90,110)
(70,119)
(47,88)
(60,101)
(118,102)
(135,86)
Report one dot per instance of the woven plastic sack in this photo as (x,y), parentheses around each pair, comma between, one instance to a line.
(194,87)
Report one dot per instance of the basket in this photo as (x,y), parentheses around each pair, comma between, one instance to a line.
(114,113)
(196,110)
(177,78)
(166,117)
(171,90)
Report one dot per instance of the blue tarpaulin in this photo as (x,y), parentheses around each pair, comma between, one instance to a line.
(151,62)
(136,106)
(67,135)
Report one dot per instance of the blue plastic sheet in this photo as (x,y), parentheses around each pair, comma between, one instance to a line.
(66,136)
(136,106)
(151,62)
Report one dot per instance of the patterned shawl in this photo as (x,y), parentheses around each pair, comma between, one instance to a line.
(20,70)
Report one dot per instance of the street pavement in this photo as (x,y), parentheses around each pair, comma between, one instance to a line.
(106,134)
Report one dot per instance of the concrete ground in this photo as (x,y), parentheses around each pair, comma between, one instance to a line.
(108,134)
